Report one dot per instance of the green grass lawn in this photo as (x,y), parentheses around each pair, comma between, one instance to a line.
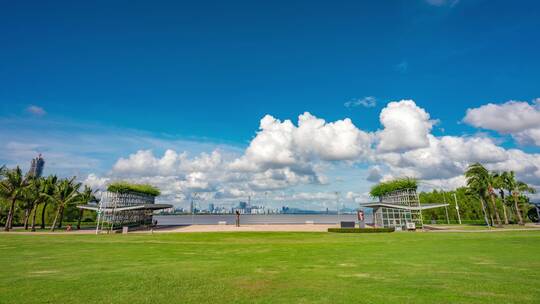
(500,267)
(480,227)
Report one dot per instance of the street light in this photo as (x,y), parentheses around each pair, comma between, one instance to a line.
(266,200)
(337,205)
(457,209)
(193,197)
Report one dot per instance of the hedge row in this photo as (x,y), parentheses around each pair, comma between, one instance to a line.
(360,230)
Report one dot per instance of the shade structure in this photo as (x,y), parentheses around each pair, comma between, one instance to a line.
(124,209)
(399,208)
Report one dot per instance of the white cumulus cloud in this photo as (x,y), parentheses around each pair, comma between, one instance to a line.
(282,144)
(287,155)
(517,118)
(406,127)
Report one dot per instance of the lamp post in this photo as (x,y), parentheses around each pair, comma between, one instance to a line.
(265,201)
(457,209)
(193,208)
(337,205)
(445,208)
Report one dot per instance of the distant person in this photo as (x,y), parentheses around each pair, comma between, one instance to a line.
(237,218)
(68,227)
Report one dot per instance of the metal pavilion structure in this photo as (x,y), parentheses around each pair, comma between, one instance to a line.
(400,208)
(115,210)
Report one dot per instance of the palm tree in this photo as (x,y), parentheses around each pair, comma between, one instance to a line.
(66,193)
(86,196)
(32,198)
(12,187)
(499,183)
(481,182)
(516,187)
(473,191)
(45,190)
(492,196)
(50,186)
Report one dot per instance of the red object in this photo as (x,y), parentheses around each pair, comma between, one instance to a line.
(360,215)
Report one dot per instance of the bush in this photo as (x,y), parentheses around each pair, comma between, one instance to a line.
(125,187)
(397,184)
(532,214)
(360,230)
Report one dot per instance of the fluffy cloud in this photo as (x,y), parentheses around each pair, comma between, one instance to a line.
(96,182)
(335,141)
(35,110)
(528,137)
(406,127)
(284,155)
(444,157)
(144,163)
(527,166)
(518,118)
(281,155)
(407,148)
(368,102)
(197,174)
(282,144)
(450,3)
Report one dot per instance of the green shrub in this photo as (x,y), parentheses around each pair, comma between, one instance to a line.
(397,184)
(360,230)
(125,187)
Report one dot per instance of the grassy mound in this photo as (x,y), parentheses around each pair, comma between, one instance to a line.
(125,187)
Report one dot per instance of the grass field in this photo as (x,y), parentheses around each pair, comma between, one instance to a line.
(500,267)
(482,227)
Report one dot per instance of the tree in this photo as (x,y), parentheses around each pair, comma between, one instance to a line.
(499,182)
(66,192)
(46,189)
(533,214)
(516,188)
(480,181)
(473,192)
(31,198)
(12,187)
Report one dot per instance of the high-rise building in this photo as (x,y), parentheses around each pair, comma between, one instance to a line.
(36,166)
(211,207)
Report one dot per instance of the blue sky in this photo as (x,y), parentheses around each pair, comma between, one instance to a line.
(196,76)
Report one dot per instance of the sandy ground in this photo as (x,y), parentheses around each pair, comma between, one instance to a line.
(198,228)
(233,228)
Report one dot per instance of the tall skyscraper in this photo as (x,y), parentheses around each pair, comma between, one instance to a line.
(36,166)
